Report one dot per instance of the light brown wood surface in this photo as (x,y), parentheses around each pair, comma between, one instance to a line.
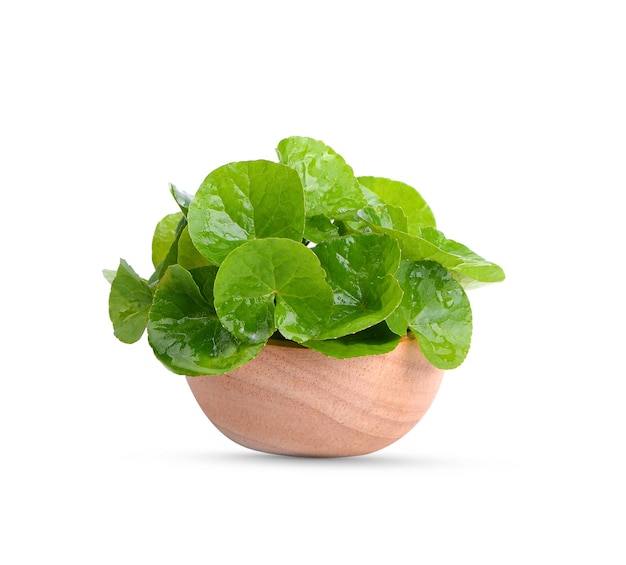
(295,401)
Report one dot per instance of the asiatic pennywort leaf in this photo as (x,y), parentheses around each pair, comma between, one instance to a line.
(243,201)
(436,309)
(405,197)
(329,183)
(360,269)
(164,236)
(469,267)
(185,332)
(269,284)
(182,199)
(188,256)
(130,299)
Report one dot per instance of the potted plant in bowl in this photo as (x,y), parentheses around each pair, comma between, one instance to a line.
(312,311)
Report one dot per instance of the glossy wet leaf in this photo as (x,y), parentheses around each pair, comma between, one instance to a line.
(188,256)
(171,258)
(385,216)
(164,236)
(204,277)
(469,267)
(376,340)
(319,228)
(185,332)
(436,309)
(371,197)
(270,284)
(472,268)
(399,194)
(243,201)
(329,183)
(182,199)
(130,299)
(359,269)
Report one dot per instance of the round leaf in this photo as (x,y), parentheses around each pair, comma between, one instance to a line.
(399,194)
(329,183)
(244,201)
(164,236)
(360,269)
(188,256)
(436,309)
(185,332)
(129,303)
(270,284)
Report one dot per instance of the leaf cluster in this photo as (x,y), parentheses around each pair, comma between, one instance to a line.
(300,250)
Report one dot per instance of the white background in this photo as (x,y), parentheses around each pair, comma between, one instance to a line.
(510,119)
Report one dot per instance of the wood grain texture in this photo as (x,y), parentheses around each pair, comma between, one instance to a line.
(295,401)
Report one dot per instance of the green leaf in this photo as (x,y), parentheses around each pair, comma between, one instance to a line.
(359,269)
(244,201)
(204,277)
(319,228)
(188,256)
(172,254)
(472,269)
(330,186)
(130,299)
(270,284)
(399,194)
(372,341)
(385,216)
(468,267)
(185,332)
(182,199)
(371,197)
(436,309)
(164,236)
(109,274)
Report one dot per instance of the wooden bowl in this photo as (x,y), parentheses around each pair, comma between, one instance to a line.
(291,400)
